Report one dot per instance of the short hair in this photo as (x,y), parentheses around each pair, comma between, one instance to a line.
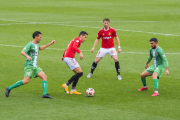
(106,19)
(83,33)
(36,33)
(154,39)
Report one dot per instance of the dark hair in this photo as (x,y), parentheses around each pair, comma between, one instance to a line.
(153,39)
(36,33)
(106,19)
(83,33)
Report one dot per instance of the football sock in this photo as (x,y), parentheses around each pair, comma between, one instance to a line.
(17,84)
(93,67)
(74,78)
(155,81)
(143,81)
(44,86)
(117,66)
(76,81)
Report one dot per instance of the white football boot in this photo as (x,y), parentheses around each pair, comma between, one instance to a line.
(119,77)
(89,75)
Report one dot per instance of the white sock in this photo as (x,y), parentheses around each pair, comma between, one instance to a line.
(66,85)
(144,86)
(156,91)
(72,90)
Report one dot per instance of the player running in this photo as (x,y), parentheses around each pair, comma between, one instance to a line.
(107,34)
(156,70)
(31,69)
(69,59)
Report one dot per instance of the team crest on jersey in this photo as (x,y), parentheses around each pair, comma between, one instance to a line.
(109,33)
(77,41)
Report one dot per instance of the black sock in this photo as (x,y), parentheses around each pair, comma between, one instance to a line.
(117,66)
(73,78)
(75,81)
(93,67)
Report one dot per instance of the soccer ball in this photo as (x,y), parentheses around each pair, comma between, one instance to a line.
(90,92)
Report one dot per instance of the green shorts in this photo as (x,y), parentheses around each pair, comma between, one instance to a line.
(32,71)
(159,70)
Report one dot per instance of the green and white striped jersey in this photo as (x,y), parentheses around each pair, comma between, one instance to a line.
(31,50)
(159,57)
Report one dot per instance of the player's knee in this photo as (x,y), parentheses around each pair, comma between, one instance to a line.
(142,76)
(25,81)
(80,74)
(44,77)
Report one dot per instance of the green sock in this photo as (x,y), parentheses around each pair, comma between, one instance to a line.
(155,81)
(143,81)
(44,86)
(17,84)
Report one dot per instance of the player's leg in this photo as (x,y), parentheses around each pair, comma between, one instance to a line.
(42,75)
(101,53)
(113,54)
(117,66)
(155,81)
(72,64)
(78,73)
(156,75)
(94,65)
(143,79)
(17,84)
(28,72)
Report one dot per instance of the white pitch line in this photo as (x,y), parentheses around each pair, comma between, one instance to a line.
(89,50)
(57,23)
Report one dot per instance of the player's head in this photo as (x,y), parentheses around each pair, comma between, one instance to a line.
(106,23)
(153,42)
(83,35)
(37,36)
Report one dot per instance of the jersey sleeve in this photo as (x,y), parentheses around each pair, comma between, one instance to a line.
(163,56)
(75,45)
(114,33)
(150,56)
(27,48)
(99,35)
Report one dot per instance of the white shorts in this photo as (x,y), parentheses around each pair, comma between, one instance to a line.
(71,62)
(103,51)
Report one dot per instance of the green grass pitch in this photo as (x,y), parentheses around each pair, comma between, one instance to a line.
(135,22)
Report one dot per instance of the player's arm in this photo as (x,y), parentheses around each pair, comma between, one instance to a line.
(75,44)
(165,61)
(95,43)
(45,46)
(25,55)
(118,43)
(25,50)
(149,60)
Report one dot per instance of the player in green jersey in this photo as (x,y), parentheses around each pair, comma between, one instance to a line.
(156,70)
(31,69)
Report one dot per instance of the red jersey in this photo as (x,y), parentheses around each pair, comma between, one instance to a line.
(107,37)
(72,48)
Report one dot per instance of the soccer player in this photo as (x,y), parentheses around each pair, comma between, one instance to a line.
(156,70)
(69,59)
(107,34)
(31,69)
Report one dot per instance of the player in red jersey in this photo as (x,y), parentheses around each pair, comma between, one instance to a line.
(69,59)
(107,34)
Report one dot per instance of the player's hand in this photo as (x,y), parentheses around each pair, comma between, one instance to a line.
(81,55)
(53,42)
(119,50)
(167,72)
(29,58)
(92,50)
(62,58)
(146,66)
